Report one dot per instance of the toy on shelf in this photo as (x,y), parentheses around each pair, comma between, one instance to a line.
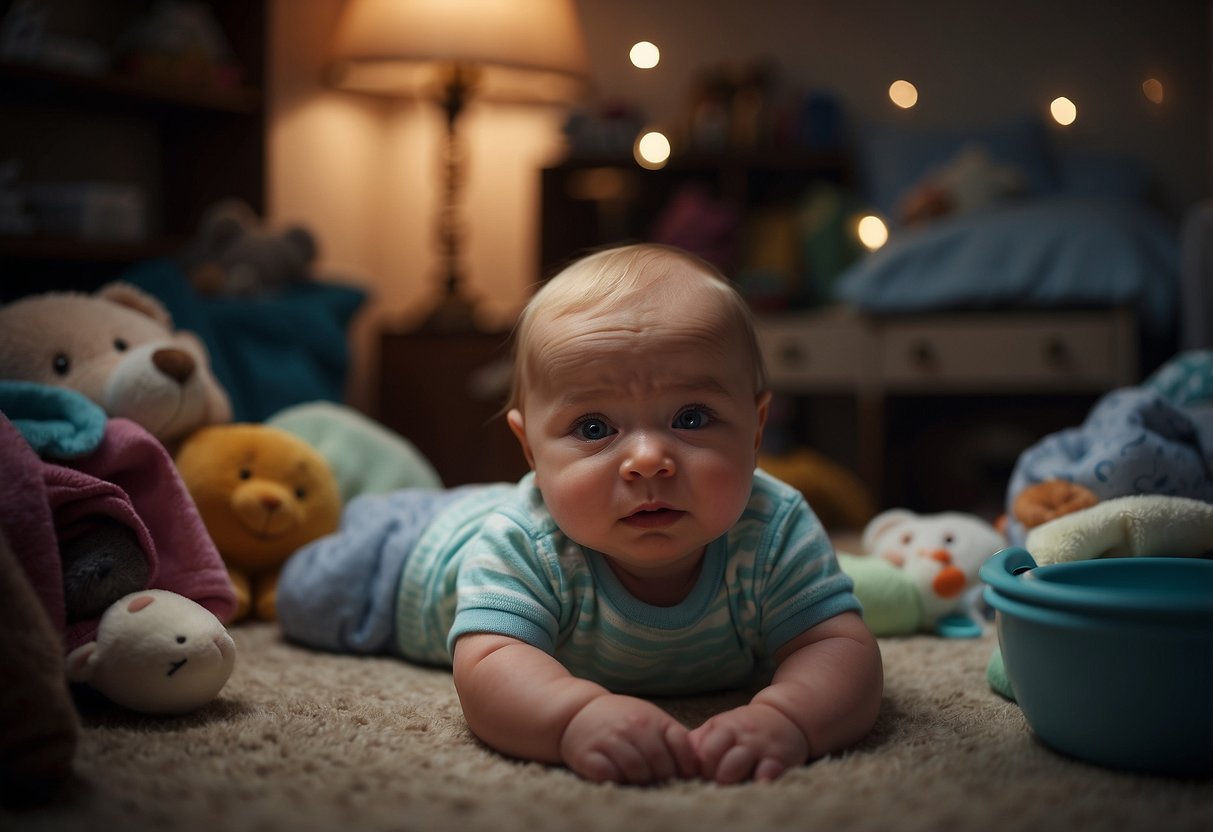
(262,493)
(234,254)
(918,572)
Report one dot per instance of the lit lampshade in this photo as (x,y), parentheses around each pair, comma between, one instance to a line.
(453,51)
(522,50)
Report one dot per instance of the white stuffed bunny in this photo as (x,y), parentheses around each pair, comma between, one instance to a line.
(156,652)
(939,553)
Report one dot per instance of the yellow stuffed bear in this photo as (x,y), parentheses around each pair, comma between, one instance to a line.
(262,493)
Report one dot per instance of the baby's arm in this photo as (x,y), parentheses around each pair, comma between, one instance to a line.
(524,703)
(824,697)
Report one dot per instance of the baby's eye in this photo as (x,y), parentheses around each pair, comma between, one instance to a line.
(592,429)
(120,344)
(692,418)
(61,364)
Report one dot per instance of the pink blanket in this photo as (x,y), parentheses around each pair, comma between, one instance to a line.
(130,478)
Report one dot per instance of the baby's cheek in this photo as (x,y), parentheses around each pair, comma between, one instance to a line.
(575,501)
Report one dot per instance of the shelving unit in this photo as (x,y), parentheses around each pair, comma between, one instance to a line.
(182,144)
(589,202)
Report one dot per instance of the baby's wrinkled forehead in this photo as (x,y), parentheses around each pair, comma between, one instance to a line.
(656,318)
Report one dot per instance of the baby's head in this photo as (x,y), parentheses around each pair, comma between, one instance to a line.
(649,283)
(639,400)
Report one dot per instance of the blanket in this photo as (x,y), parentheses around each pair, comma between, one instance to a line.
(127,478)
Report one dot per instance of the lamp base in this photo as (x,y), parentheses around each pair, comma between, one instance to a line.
(453,314)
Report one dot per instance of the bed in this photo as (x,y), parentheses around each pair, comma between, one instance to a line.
(1004,218)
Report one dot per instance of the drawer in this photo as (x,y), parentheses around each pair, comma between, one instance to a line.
(817,352)
(1077,352)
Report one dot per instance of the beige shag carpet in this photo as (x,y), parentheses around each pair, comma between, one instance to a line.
(304,741)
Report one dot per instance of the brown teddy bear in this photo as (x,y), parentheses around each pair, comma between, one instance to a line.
(262,493)
(118,348)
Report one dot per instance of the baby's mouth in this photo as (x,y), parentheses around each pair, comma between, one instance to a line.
(654,518)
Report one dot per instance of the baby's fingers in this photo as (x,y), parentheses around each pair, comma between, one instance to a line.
(711,742)
(678,741)
(768,769)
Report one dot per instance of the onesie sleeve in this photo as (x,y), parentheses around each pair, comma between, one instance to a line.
(509,584)
(802,584)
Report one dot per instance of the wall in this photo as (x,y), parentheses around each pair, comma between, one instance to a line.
(363,172)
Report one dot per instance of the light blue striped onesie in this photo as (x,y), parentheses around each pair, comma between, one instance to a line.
(409,572)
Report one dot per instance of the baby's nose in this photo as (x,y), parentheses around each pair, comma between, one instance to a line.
(645,457)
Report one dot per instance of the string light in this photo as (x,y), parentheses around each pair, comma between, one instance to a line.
(652,150)
(872,231)
(903,94)
(644,55)
(1153,90)
(1063,110)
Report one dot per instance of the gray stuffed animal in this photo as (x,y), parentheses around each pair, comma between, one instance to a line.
(235,255)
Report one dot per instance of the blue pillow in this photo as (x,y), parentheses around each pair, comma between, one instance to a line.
(893,158)
(268,353)
(1033,254)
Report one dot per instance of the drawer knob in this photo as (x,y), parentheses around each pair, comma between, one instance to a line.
(1057,353)
(923,355)
(792,354)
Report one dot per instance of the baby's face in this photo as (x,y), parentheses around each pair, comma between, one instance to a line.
(643,434)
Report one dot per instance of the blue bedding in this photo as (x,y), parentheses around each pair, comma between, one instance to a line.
(1046,252)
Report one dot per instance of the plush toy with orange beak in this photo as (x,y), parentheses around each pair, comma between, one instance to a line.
(918,572)
(262,493)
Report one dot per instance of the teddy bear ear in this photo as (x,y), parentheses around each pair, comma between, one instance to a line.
(302,241)
(225,222)
(132,297)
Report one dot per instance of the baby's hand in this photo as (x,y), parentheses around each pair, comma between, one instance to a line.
(753,741)
(627,740)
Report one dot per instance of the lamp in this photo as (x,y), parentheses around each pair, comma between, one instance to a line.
(454,51)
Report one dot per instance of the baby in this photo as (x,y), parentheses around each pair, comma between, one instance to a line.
(643,555)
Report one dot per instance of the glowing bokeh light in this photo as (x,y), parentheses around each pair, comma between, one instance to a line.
(872,231)
(1153,90)
(644,55)
(652,150)
(1063,110)
(903,94)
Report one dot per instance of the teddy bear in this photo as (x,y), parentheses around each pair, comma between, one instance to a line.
(234,255)
(156,652)
(262,492)
(918,572)
(118,347)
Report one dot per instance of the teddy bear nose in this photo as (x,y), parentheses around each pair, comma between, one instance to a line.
(174,363)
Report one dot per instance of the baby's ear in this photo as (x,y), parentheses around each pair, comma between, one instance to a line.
(518,426)
(763,402)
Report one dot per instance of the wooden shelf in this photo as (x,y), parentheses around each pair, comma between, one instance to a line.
(178,144)
(40,83)
(49,246)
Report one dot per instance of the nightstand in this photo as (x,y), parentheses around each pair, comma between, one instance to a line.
(444,393)
(924,391)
